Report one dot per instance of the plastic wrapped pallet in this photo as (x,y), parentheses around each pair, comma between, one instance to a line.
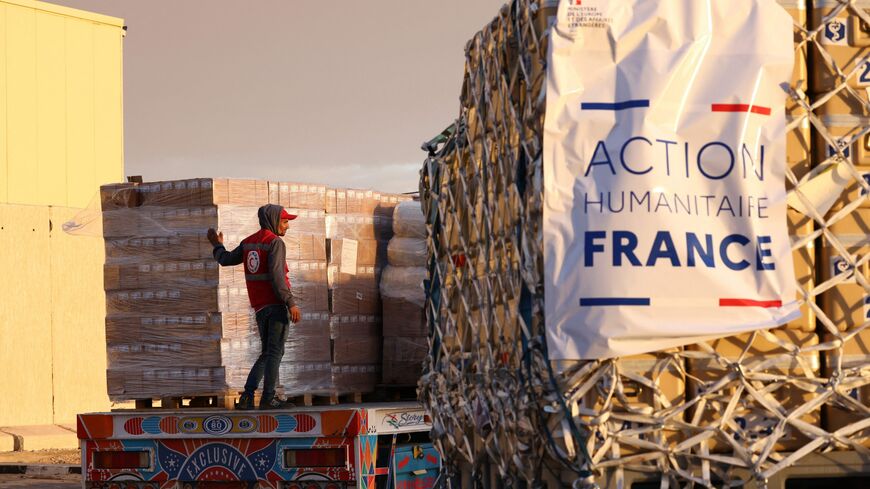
(405,341)
(409,221)
(356,352)
(403,359)
(358,228)
(168,301)
(724,412)
(403,298)
(407,252)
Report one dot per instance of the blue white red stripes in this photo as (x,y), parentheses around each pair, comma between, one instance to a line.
(615,106)
(647,302)
(755,109)
(644,103)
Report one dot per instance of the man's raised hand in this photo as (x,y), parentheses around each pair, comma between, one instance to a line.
(215,237)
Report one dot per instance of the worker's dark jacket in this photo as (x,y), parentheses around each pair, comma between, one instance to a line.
(264,256)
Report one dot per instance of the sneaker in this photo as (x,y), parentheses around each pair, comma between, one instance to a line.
(275,403)
(246,402)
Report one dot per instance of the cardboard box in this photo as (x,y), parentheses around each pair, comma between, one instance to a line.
(403,318)
(147,274)
(845,39)
(116,196)
(355,300)
(302,196)
(348,379)
(846,304)
(368,253)
(305,247)
(363,277)
(356,340)
(180,353)
(855,354)
(307,272)
(845,132)
(134,250)
(170,301)
(298,378)
(751,423)
(359,227)
(308,341)
(135,327)
(403,360)
(311,298)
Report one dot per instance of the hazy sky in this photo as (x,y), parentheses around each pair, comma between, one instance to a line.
(341,93)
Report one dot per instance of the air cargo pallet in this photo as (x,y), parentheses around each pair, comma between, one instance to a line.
(845,469)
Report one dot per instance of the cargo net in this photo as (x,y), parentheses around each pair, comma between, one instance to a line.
(720,413)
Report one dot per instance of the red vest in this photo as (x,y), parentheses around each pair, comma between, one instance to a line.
(255,258)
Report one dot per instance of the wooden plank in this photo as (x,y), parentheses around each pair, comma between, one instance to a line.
(80,108)
(21,122)
(78,320)
(25,319)
(51,111)
(108,106)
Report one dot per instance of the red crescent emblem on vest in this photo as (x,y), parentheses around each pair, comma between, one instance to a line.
(252,261)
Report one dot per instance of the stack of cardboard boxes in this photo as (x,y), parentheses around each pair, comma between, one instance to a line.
(405,335)
(359,226)
(177,324)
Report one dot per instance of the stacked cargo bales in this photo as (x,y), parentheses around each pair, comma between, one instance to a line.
(751,397)
(766,362)
(359,226)
(650,386)
(169,303)
(842,147)
(405,333)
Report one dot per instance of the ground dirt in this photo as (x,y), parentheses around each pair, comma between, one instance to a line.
(70,457)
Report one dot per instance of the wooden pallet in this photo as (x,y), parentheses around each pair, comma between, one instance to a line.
(220,400)
(228,399)
(309,400)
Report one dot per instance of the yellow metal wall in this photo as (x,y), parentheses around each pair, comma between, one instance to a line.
(61,93)
(61,137)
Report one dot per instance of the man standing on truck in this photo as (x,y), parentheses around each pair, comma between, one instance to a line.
(264,256)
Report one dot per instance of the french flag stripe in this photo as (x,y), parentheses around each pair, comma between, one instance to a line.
(615,106)
(748,303)
(755,109)
(613,301)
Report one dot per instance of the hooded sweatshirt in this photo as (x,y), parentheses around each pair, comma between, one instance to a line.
(269,216)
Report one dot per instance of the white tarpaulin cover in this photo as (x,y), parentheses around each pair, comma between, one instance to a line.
(664,168)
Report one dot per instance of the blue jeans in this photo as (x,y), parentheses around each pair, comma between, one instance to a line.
(273,325)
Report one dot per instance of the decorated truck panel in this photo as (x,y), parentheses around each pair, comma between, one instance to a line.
(316,448)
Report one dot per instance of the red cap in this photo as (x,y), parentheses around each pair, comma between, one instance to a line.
(287,215)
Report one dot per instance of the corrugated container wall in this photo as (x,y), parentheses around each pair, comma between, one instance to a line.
(61,137)
(61,93)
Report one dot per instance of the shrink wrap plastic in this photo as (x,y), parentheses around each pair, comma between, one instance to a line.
(405,343)
(359,225)
(407,252)
(404,283)
(170,303)
(409,221)
(403,359)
